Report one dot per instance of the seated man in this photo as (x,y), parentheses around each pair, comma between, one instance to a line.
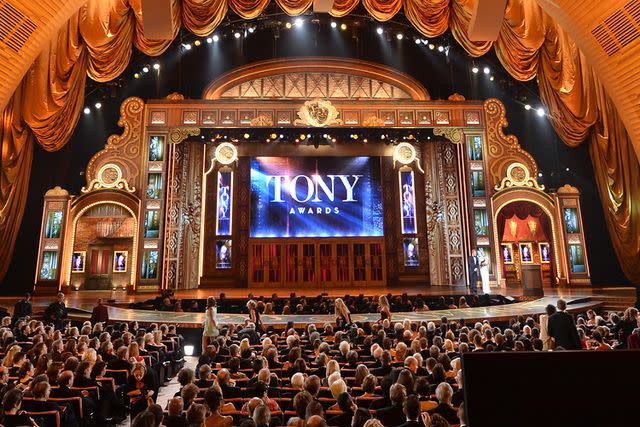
(393,415)
(204,377)
(444,393)
(175,417)
(39,403)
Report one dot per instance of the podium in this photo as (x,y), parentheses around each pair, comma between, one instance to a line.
(531,280)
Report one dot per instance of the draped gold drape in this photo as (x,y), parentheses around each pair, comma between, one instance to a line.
(99,39)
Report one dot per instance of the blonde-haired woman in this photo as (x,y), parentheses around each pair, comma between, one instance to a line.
(385,309)
(254,316)
(342,313)
(210,323)
(7,362)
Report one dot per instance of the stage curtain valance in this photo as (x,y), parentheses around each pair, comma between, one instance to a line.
(99,39)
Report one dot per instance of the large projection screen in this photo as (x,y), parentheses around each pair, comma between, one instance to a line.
(316,197)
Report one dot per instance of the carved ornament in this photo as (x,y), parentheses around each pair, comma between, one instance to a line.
(56,191)
(452,134)
(109,176)
(179,134)
(318,113)
(405,154)
(568,190)
(373,121)
(456,97)
(124,150)
(502,150)
(518,175)
(175,96)
(262,120)
(226,153)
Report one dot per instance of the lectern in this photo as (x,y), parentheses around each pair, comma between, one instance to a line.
(532,280)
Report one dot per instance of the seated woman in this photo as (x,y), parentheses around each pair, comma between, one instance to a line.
(12,415)
(213,400)
(140,389)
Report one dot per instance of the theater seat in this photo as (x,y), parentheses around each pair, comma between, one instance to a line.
(50,418)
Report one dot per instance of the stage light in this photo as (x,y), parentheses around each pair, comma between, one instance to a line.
(303,136)
(156,66)
(527,107)
(417,41)
(425,41)
(273,136)
(252,29)
(268,140)
(197,43)
(145,69)
(209,40)
(246,136)
(440,48)
(202,137)
(486,70)
(475,70)
(86,110)
(281,136)
(188,350)
(333,140)
(491,78)
(297,140)
(343,26)
(567,169)
(399,36)
(539,174)
(187,46)
(324,135)
(288,25)
(432,46)
(540,112)
(136,76)
(365,140)
(216,37)
(379,30)
(333,24)
(236,35)
(355,136)
(298,22)
(98,105)
(382,136)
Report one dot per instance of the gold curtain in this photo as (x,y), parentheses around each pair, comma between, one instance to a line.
(99,39)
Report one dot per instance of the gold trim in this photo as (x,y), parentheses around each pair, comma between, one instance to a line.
(179,134)
(318,113)
(453,134)
(114,183)
(518,175)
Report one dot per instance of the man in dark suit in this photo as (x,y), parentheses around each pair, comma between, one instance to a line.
(411,408)
(393,415)
(562,328)
(23,307)
(348,407)
(100,313)
(473,272)
(56,313)
(40,404)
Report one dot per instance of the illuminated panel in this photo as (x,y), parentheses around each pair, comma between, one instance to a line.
(410,249)
(407,202)
(223,254)
(149,268)
(225,187)
(316,197)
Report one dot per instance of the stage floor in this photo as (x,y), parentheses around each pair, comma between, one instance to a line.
(81,303)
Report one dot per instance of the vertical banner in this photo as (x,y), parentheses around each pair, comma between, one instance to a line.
(407,202)
(223,220)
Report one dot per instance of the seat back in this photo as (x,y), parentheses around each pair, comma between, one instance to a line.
(74,403)
(120,376)
(50,418)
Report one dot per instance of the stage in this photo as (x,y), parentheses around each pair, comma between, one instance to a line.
(580,300)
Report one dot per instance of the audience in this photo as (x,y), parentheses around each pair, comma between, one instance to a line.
(388,373)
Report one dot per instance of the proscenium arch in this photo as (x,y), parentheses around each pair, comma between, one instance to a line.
(332,65)
(539,198)
(86,202)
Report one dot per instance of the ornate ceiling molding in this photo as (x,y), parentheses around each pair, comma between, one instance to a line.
(518,175)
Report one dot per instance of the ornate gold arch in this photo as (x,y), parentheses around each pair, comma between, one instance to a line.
(320,65)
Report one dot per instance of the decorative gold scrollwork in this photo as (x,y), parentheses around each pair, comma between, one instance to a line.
(518,175)
(452,134)
(179,134)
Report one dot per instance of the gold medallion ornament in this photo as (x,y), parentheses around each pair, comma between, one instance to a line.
(226,153)
(518,175)
(318,113)
(109,176)
(405,154)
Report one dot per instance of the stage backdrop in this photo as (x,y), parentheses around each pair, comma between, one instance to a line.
(316,197)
